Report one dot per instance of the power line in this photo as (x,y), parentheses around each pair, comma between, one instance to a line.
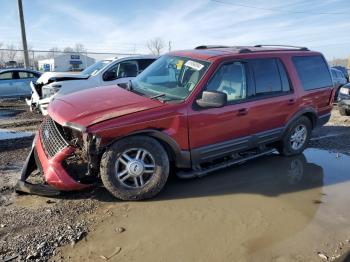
(277,10)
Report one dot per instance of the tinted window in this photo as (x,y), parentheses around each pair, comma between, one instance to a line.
(143,63)
(313,72)
(230,79)
(6,76)
(127,69)
(270,76)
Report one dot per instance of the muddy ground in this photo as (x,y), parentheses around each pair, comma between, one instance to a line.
(269,209)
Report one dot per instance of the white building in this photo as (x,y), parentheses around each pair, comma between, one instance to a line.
(66,62)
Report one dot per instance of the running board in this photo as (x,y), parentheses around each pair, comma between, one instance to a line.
(225,164)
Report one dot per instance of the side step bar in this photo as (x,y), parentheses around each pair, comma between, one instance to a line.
(225,164)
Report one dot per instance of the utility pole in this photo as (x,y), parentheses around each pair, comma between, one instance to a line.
(169,46)
(23,33)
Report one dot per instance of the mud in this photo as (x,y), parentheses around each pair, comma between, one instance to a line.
(269,209)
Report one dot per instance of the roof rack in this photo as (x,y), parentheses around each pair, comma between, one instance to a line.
(301,48)
(211,46)
(240,49)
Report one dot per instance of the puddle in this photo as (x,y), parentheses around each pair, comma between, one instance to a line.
(7,113)
(270,209)
(7,134)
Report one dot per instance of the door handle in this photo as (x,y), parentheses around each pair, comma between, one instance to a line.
(291,101)
(242,111)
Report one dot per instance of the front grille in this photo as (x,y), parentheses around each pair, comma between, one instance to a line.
(51,138)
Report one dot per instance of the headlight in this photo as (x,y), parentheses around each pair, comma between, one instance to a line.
(50,90)
(345,91)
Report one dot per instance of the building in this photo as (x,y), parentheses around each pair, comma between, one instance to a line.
(66,62)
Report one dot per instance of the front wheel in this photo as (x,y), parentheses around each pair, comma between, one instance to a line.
(296,137)
(135,168)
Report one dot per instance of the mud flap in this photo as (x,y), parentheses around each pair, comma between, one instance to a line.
(38,189)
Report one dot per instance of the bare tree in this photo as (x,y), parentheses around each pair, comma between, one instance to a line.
(11,53)
(79,48)
(68,49)
(155,45)
(52,51)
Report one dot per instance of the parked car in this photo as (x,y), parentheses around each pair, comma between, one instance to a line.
(344,100)
(344,70)
(338,81)
(106,72)
(193,111)
(15,82)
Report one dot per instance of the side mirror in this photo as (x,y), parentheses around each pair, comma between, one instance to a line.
(109,76)
(212,99)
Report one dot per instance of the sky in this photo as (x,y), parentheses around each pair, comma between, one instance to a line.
(126,26)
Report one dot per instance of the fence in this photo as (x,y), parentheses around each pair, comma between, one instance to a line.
(10,58)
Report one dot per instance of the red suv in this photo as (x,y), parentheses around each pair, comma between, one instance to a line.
(192,111)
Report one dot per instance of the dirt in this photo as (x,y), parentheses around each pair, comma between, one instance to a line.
(269,209)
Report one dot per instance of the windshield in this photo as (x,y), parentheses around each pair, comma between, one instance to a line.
(95,68)
(170,76)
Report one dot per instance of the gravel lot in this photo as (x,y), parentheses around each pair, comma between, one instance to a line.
(34,228)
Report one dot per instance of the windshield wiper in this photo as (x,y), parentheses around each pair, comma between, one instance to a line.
(157,96)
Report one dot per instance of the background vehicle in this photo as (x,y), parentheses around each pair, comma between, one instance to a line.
(344,71)
(344,100)
(338,80)
(15,83)
(196,110)
(105,72)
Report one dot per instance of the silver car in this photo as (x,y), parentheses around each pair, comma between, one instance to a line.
(15,82)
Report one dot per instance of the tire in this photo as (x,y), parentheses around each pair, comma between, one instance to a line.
(124,169)
(287,147)
(344,112)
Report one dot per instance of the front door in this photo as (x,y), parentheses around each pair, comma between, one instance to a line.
(7,85)
(212,131)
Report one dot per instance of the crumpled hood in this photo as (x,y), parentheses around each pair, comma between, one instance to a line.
(50,77)
(92,106)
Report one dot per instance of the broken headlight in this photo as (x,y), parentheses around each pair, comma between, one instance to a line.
(48,91)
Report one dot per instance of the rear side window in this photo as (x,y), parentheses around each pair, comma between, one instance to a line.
(144,63)
(313,72)
(270,76)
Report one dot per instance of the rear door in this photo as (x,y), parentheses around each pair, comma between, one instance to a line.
(315,79)
(23,83)
(7,85)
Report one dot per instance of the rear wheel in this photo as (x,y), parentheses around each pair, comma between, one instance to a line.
(296,137)
(135,168)
(344,112)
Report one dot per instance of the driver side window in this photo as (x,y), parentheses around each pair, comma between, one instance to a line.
(231,80)
(121,70)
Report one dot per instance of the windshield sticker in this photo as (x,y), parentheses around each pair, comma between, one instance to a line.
(179,64)
(194,65)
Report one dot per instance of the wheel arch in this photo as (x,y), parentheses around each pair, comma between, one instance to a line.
(310,113)
(181,158)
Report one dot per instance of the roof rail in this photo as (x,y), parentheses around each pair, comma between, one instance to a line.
(302,48)
(210,46)
(240,49)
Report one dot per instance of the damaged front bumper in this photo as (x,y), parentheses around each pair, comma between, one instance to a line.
(52,169)
(36,103)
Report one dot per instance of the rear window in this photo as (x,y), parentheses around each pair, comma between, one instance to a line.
(313,72)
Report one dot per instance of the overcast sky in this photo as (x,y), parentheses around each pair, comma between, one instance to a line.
(125,26)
